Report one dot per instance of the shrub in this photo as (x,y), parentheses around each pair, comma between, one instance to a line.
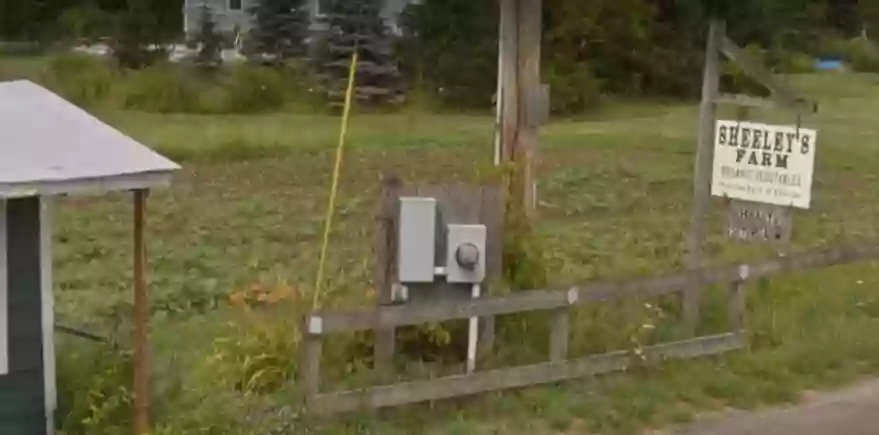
(795,63)
(86,21)
(251,89)
(93,393)
(860,53)
(449,50)
(573,88)
(257,355)
(82,79)
(161,88)
(863,55)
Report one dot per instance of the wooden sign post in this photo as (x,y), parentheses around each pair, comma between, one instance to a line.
(755,153)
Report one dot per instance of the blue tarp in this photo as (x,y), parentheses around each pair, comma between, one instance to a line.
(829,65)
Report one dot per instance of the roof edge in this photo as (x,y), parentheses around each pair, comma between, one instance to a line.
(87,186)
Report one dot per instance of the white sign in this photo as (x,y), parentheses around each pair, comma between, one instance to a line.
(770,164)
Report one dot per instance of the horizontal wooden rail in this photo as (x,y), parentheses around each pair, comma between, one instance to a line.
(515,377)
(390,316)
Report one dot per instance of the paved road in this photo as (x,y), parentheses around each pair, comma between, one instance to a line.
(854,411)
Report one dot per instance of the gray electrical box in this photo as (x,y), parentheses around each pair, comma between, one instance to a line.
(466,254)
(417,240)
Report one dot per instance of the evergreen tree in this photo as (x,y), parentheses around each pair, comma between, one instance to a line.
(209,41)
(135,33)
(358,25)
(280,30)
(868,12)
(450,46)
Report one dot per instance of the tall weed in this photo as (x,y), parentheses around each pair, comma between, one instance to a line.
(160,88)
(81,79)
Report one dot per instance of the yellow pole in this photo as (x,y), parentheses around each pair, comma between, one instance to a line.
(331,206)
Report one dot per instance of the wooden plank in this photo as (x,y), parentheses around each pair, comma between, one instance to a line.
(561,330)
(605,291)
(441,311)
(516,377)
(385,267)
(703,166)
(781,93)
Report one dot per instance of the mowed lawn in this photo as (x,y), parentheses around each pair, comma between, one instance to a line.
(615,195)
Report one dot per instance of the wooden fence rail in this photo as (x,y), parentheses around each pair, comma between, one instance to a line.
(559,366)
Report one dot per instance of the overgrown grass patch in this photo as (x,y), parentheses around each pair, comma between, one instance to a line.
(615,194)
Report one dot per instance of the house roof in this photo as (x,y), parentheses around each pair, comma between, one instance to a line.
(49,146)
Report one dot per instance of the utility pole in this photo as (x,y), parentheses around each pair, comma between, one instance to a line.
(520,97)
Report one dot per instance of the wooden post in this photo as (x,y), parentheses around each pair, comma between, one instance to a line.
(385,273)
(509,69)
(141,321)
(309,365)
(737,302)
(703,166)
(558,342)
(531,97)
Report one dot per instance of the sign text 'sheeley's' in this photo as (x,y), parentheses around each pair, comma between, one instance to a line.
(771,164)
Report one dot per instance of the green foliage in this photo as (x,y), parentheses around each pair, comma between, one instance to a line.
(795,63)
(137,32)
(860,53)
(868,12)
(86,22)
(627,45)
(357,25)
(524,268)
(81,79)
(93,392)
(160,88)
(168,88)
(257,354)
(280,30)
(449,50)
(863,55)
(573,87)
(251,89)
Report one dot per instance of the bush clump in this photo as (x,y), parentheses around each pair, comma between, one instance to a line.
(251,89)
(161,88)
(863,55)
(81,79)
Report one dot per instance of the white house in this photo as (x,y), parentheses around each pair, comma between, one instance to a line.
(234,14)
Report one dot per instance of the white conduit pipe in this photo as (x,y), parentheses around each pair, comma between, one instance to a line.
(474,335)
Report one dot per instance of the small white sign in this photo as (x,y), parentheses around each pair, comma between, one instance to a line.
(770,164)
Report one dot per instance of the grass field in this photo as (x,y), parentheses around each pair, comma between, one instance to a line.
(615,195)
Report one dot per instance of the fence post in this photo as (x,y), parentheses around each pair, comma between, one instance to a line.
(312,347)
(737,302)
(558,342)
(703,166)
(385,273)
(561,329)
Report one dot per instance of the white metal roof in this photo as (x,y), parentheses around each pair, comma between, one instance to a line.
(49,146)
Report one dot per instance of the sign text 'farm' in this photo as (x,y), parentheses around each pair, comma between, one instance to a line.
(763,163)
